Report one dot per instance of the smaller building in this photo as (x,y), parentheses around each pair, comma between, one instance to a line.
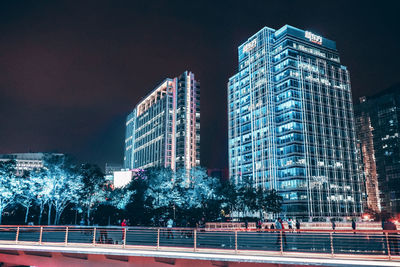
(110,168)
(124,177)
(27,161)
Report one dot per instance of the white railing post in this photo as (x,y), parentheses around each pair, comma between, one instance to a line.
(41,235)
(332,250)
(94,236)
(17,236)
(388,246)
(236,243)
(158,238)
(195,239)
(66,236)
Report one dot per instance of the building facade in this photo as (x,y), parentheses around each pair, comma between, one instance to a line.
(27,161)
(291,123)
(378,130)
(110,168)
(164,128)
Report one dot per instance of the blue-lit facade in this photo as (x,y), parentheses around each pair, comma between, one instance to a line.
(164,128)
(291,123)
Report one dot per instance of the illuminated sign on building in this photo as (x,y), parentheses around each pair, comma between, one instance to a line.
(313,38)
(249,46)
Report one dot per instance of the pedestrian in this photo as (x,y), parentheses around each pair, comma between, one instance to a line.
(201,224)
(290,224)
(298,224)
(170,224)
(183,224)
(392,237)
(281,234)
(353,225)
(333,224)
(259,225)
(103,236)
(272,226)
(246,224)
(123,225)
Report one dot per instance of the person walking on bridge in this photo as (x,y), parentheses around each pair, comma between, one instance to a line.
(353,225)
(170,224)
(281,234)
(123,224)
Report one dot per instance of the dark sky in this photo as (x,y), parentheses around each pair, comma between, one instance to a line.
(71,71)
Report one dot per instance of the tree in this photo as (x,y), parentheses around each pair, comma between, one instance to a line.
(43,194)
(163,192)
(65,184)
(29,189)
(229,196)
(9,185)
(200,188)
(65,192)
(247,197)
(136,208)
(120,197)
(274,202)
(94,190)
(159,187)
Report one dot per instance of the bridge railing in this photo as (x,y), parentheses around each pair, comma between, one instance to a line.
(340,243)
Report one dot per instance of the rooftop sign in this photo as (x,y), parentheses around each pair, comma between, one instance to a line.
(313,38)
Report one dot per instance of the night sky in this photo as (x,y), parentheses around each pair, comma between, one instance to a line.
(71,71)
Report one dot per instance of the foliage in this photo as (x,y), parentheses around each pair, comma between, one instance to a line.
(154,195)
(9,185)
(94,191)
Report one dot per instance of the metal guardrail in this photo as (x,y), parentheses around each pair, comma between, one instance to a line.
(304,225)
(375,244)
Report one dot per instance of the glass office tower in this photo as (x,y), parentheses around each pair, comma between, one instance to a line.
(291,123)
(164,128)
(378,129)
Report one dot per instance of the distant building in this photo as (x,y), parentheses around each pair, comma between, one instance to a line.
(27,161)
(110,168)
(164,128)
(124,177)
(222,174)
(291,123)
(378,129)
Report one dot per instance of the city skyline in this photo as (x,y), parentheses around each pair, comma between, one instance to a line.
(72,73)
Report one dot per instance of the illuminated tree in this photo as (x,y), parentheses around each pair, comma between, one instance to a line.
(64,184)
(9,185)
(29,188)
(94,190)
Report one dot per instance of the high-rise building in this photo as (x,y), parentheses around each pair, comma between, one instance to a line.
(164,128)
(291,123)
(378,131)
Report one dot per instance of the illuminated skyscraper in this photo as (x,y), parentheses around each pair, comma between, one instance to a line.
(164,128)
(378,129)
(291,123)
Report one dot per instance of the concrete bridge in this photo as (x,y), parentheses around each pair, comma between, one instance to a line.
(131,246)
